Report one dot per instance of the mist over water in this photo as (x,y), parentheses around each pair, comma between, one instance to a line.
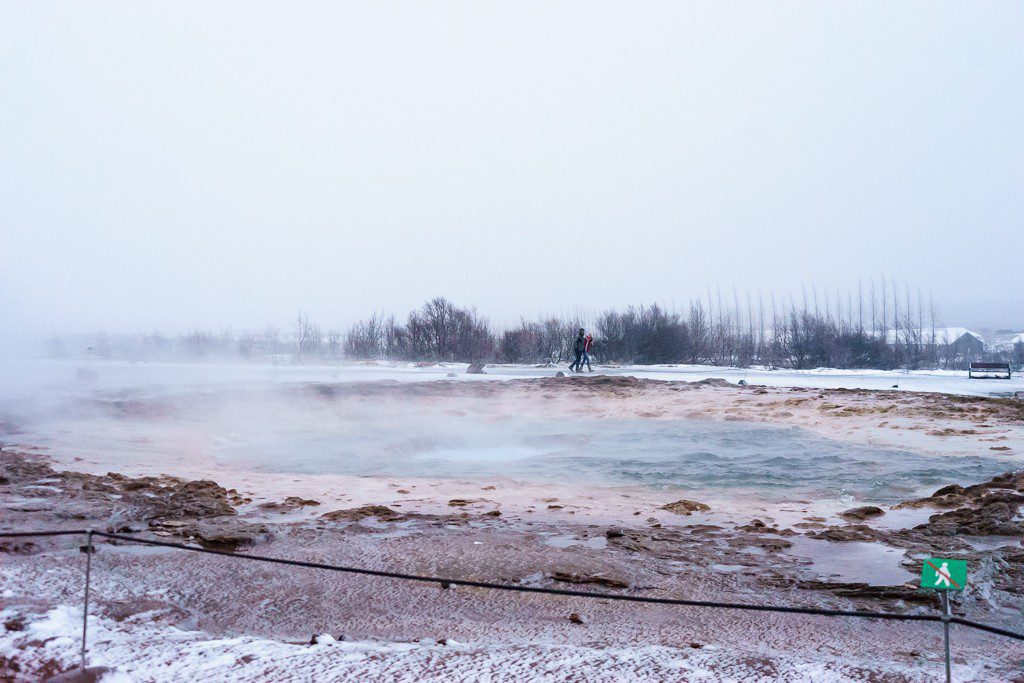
(169,419)
(664,454)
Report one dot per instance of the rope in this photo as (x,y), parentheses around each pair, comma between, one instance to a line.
(446,582)
(28,534)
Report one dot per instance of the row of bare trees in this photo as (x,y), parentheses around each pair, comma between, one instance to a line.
(878,325)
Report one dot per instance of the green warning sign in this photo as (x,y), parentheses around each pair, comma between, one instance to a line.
(944,575)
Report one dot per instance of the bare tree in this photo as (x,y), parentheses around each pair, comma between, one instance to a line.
(308,336)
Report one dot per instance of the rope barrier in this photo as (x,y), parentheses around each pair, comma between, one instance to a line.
(446,582)
(29,534)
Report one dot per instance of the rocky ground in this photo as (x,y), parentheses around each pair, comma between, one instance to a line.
(653,544)
(697,560)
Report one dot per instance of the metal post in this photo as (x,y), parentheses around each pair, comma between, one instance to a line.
(85,608)
(945,631)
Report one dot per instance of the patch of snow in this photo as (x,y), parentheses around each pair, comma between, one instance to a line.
(140,651)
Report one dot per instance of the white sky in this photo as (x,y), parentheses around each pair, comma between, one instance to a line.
(179,164)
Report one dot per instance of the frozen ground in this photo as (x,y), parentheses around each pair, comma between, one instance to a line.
(560,460)
(22,377)
(135,651)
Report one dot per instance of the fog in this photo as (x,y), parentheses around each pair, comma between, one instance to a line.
(235,420)
(196,164)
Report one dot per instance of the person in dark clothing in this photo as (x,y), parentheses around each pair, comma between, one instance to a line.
(577,349)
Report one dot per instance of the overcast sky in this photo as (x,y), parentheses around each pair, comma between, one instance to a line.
(177,164)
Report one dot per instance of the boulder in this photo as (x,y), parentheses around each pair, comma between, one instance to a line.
(200,498)
(685,507)
(862,513)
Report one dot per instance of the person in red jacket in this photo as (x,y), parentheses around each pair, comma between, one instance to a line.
(588,343)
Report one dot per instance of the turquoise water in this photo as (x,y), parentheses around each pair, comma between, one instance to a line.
(663,454)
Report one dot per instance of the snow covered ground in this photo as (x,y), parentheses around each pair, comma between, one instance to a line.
(136,649)
(20,376)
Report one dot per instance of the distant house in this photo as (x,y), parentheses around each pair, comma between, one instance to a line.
(1006,341)
(957,340)
(1011,343)
(963,343)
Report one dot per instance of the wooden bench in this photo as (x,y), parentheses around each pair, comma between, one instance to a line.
(986,370)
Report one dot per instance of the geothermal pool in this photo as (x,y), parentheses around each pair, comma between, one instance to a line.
(292,429)
(664,454)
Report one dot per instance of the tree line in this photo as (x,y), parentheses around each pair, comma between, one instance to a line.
(877,326)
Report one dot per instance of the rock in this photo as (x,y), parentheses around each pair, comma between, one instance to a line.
(559,374)
(91,674)
(986,509)
(172,523)
(475,369)
(772,545)
(995,515)
(226,534)
(120,610)
(863,513)
(381,512)
(907,593)
(462,502)
(713,382)
(634,541)
(685,507)
(200,498)
(763,529)
(300,502)
(493,513)
(614,532)
(290,504)
(851,532)
(15,624)
(577,618)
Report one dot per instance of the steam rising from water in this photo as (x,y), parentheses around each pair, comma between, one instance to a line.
(420,431)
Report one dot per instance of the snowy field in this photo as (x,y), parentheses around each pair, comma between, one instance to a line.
(136,651)
(20,375)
